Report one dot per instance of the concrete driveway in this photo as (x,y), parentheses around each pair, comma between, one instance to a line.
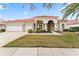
(7,37)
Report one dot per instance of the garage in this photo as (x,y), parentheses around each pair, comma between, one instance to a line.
(14,26)
(19,25)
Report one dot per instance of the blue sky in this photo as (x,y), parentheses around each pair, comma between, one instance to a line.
(15,11)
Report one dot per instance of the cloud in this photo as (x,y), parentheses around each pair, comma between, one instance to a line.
(25,13)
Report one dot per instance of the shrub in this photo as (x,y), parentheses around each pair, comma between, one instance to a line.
(65,29)
(72,30)
(49,31)
(2,30)
(30,31)
(38,31)
(76,28)
(44,31)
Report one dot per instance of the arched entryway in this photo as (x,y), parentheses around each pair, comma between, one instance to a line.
(40,24)
(50,25)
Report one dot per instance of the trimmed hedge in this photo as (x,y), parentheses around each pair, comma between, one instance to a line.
(40,31)
(72,29)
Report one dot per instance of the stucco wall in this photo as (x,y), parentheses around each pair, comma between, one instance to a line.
(28,26)
(45,21)
(74,25)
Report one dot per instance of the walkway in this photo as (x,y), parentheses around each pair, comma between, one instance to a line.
(54,33)
(39,51)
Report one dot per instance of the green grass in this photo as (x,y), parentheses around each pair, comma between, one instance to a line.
(67,40)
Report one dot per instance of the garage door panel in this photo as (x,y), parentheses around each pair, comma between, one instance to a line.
(14,28)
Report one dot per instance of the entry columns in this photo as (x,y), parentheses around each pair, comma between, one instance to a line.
(35,26)
(46,26)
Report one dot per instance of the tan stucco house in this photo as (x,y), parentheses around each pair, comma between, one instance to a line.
(53,22)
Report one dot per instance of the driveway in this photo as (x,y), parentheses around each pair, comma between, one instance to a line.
(7,37)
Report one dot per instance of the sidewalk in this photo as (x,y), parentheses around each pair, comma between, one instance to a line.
(39,51)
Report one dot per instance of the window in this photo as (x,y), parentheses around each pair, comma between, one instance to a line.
(40,26)
(63,25)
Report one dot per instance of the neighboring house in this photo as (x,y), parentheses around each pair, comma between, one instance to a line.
(2,25)
(73,23)
(51,22)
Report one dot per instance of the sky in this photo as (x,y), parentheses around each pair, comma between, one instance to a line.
(15,11)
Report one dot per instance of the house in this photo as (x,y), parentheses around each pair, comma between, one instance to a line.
(73,23)
(2,24)
(52,23)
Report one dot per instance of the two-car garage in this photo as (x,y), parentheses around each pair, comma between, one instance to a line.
(19,25)
(14,27)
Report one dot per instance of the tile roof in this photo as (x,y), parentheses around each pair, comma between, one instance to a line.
(22,20)
(72,22)
(45,16)
(32,19)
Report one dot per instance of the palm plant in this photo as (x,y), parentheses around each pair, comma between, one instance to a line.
(72,9)
(33,6)
(47,5)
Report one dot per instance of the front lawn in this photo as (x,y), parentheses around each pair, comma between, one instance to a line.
(68,40)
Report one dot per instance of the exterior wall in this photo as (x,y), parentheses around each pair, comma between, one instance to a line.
(60,26)
(28,26)
(75,25)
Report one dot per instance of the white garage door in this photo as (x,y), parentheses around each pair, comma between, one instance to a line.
(14,28)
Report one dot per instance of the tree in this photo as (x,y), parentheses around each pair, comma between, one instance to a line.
(72,9)
(33,6)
